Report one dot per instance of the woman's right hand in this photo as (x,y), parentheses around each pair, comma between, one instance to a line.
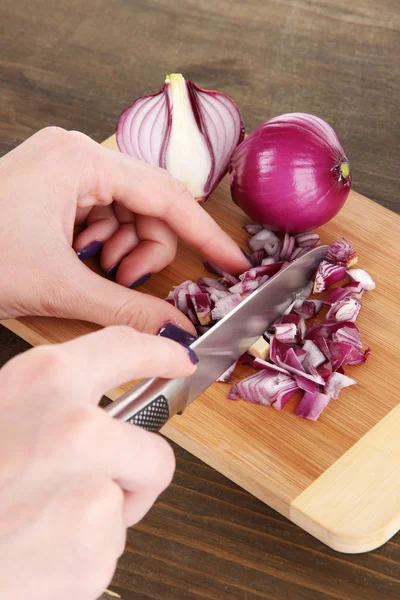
(72,479)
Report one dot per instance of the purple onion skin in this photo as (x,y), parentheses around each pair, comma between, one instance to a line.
(287,173)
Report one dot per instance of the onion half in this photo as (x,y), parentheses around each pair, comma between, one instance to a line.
(189,131)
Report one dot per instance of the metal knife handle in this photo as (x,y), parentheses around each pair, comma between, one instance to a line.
(151,403)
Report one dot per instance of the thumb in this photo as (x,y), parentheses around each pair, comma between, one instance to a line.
(90,297)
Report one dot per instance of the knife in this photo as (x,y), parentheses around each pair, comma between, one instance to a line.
(151,403)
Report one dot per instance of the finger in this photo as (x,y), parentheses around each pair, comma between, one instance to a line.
(150,191)
(101,225)
(140,462)
(81,215)
(115,355)
(136,506)
(157,248)
(90,297)
(124,240)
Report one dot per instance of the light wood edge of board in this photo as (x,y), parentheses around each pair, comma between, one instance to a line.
(370,470)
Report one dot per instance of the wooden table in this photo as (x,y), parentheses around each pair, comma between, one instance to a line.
(78,65)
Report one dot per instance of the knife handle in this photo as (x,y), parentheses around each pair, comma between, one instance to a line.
(151,403)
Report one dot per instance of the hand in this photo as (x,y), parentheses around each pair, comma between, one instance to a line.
(71,477)
(56,178)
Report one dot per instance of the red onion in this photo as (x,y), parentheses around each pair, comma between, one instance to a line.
(291,173)
(189,131)
(342,253)
(361,276)
(312,405)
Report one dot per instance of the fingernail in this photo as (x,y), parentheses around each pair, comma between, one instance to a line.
(177,334)
(248,258)
(192,354)
(140,281)
(90,250)
(112,271)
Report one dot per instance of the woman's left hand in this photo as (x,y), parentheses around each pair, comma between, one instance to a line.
(134,213)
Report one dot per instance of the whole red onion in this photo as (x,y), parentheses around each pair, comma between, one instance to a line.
(291,173)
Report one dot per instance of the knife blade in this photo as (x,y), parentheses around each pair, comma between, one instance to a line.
(151,403)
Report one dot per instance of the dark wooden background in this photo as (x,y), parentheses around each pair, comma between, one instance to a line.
(78,65)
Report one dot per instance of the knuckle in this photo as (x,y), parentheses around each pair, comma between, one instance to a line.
(52,132)
(164,465)
(50,363)
(121,333)
(133,315)
(177,187)
(79,432)
(77,137)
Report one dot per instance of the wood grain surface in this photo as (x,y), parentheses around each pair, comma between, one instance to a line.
(78,65)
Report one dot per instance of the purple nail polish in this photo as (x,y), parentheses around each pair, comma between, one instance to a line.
(177,334)
(140,281)
(90,250)
(112,271)
(192,354)
(248,258)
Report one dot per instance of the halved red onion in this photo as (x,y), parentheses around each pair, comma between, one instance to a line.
(187,130)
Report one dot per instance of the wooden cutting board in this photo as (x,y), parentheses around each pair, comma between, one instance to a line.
(337,478)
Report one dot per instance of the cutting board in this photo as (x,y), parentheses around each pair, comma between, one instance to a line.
(337,478)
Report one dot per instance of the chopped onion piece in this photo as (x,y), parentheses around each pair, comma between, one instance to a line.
(307,240)
(335,383)
(259,363)
(309,308)
(286,332)
(266,240)
(257,257)
(226,377)
(350,289)
(223,306)
(202,306)
(253,228)
(341,253)
(327,275)
(312,405)
(347,335)
(363,277)
(314,356)
(344,310)
(287,247)
(306,384)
